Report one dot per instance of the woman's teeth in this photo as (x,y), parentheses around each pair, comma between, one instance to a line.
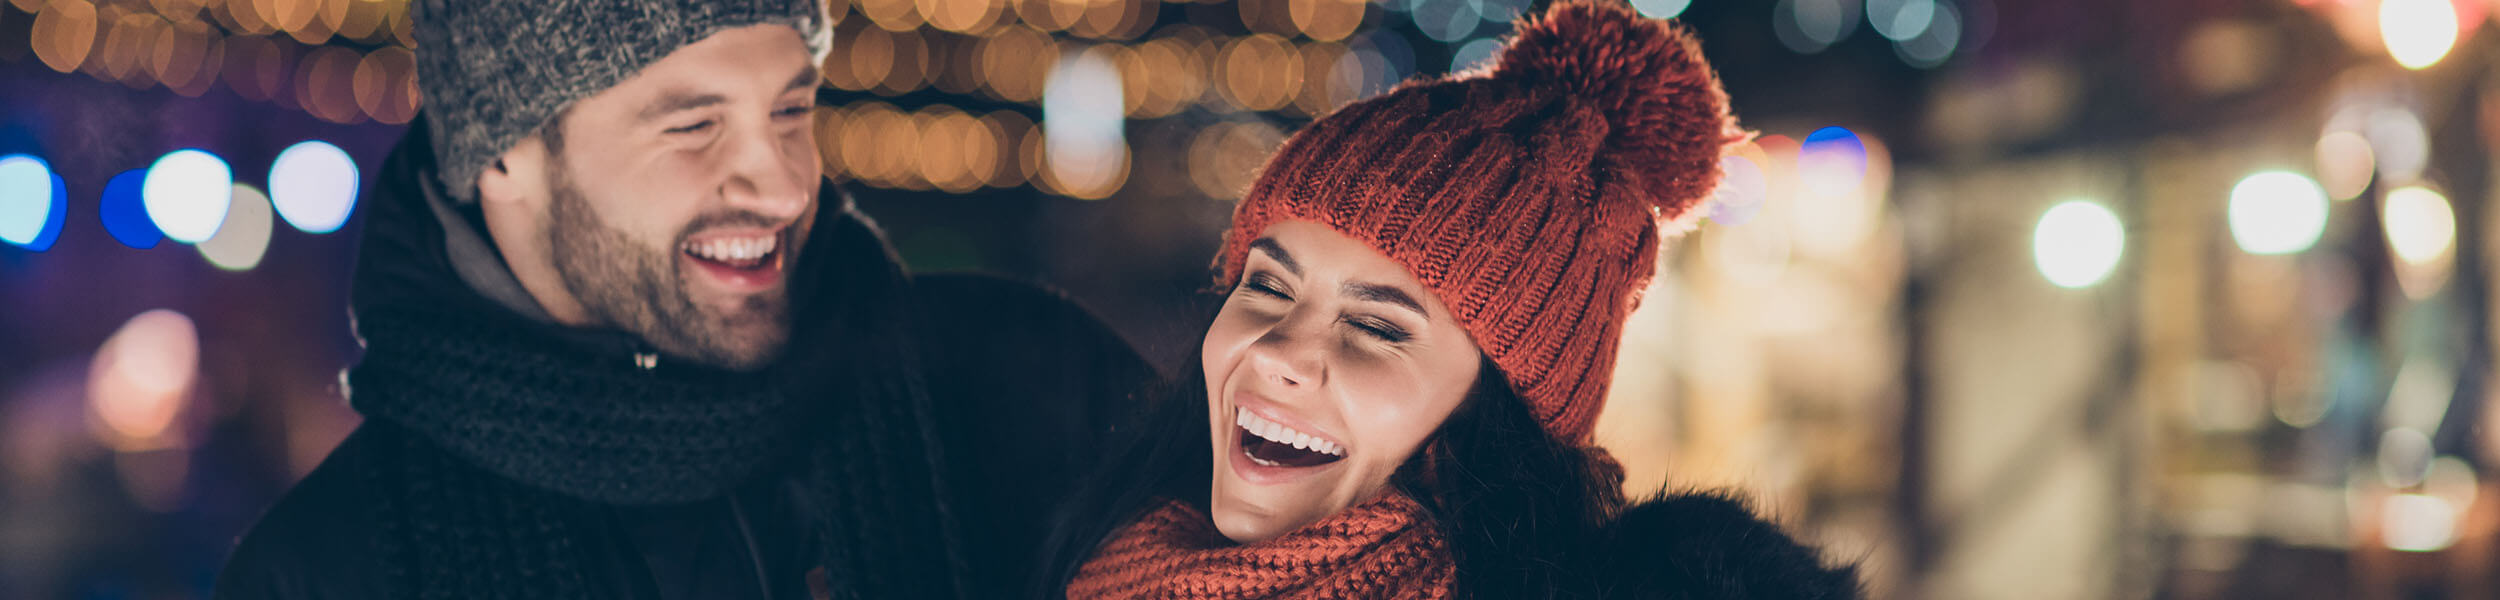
(1275,432)
(734,250)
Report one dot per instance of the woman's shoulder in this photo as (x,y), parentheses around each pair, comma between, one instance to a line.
(1712,545)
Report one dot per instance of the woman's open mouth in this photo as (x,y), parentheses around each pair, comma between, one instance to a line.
(1269,444)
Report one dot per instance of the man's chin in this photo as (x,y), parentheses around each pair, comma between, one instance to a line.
(746,342)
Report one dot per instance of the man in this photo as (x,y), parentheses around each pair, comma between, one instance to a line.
(622,342)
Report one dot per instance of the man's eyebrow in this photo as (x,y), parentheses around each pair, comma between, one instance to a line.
(679,100)
(1371,292)
(806,79)
(673,101)
(1275,251)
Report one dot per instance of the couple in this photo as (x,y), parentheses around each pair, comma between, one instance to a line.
(617,347)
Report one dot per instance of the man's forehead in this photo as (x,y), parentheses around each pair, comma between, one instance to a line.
(755,62)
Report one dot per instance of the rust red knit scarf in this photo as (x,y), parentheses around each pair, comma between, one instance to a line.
(1380,549)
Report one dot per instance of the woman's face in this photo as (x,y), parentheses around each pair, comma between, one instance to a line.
(1328,367)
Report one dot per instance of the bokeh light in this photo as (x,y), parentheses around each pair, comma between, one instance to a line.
(1661,9)
(124,211)
(1474,54)
(385,84)
(187,193)
(1083,126)
(2277,212)
(2418,32)
(313,185)
(64,32)
(2400,143)
(1900,20)
(2078,243)
(140,378)
(27,188)
(1742,189)
(1809,26)
(2345,163)
(1934,44)
(2418,523)
(2420,226)
(243,237)
(1225,157)
(1447,20)
(1835,207)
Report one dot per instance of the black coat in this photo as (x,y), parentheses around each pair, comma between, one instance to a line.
(1018,378)
(1707,546)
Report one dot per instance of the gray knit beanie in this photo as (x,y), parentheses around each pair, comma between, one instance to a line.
(493,71)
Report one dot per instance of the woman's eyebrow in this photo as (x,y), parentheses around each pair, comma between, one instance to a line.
(1371,292)
(1277,251)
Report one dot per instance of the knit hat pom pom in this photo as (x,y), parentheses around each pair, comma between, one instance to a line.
(1668,115)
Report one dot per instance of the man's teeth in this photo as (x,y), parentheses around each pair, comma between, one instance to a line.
(734,249)
(1275,432)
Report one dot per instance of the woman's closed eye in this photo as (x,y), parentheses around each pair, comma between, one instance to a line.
(1378,328)
(1263,284)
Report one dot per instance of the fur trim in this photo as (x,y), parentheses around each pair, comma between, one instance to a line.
(1709,545)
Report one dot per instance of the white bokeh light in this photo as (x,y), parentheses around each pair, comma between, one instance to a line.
(313,186)
(187,193)
(2420,225)
(244,237)
(1083,130)
(25,198)
(2078,243)
(2418,32)
(2277,212)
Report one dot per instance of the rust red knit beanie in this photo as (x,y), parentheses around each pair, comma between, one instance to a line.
(1531,197)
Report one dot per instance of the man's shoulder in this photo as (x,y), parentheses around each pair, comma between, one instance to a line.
(995,297)
(988,314)
(319,540)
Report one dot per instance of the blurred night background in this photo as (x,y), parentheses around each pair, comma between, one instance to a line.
(2036,299)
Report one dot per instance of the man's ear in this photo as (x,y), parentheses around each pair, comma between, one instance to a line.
(517,178)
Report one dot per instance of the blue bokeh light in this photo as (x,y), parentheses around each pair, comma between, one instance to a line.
(125,213)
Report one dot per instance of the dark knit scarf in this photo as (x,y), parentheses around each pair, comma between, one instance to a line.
(508,444)
(1381,549)
(505,443)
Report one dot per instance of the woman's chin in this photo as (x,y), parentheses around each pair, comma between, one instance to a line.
(1249,514)
(1244,525)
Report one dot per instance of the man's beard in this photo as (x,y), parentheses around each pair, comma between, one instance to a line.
(638,289)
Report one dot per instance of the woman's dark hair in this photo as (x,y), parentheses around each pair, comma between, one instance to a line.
(1517,506)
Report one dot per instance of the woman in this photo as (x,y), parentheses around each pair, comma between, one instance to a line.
(1426,292)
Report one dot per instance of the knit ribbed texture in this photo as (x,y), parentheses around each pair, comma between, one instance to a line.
(493,71)
(1530,198)
(498,450)
(504,448)
(526,410)
(1385,548)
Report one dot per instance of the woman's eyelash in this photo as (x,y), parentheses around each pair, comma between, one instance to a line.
(1262,284)
(690,128)
(1379,329)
